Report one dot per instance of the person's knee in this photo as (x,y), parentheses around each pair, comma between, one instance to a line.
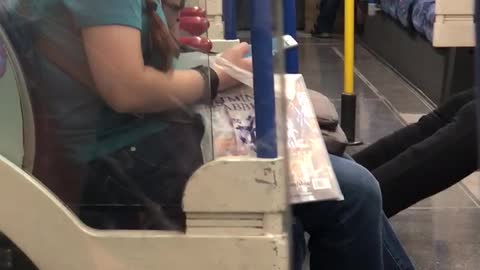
(362,206)
(360,188)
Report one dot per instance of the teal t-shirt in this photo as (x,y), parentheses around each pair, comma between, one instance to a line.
(86,126)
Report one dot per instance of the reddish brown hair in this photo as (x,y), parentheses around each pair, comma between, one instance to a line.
(161,38)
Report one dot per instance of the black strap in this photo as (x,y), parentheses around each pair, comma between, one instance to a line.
(211,80)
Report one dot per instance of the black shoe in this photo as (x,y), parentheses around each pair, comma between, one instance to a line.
(321,35)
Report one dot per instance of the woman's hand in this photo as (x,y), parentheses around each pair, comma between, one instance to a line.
(236,56)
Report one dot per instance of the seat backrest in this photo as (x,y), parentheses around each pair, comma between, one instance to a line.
(25,129)
(17,130)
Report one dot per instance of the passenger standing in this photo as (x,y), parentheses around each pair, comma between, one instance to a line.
(326,18)
(324,27)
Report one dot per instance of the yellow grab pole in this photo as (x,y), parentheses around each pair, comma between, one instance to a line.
(349,100)
(349,49)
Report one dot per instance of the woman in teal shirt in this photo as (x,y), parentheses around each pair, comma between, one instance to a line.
(105,79)
(122,50)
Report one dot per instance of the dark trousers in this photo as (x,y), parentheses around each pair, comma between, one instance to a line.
(427,157)
(141,186)
(349,234)
(327,16)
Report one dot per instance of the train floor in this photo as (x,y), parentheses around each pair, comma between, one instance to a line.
(439,233)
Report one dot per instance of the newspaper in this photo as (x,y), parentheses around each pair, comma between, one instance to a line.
(233,132)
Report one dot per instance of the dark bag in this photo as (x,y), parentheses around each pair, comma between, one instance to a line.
(327,117)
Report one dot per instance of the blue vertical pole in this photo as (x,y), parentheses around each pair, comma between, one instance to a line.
(230,19)
(261,34)
(290,28)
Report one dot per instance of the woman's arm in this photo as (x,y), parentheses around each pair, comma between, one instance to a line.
(123,80)
(116,62)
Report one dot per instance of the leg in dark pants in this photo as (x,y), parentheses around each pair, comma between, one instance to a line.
(427,157)
(351,234)
(391,146)
(327,16)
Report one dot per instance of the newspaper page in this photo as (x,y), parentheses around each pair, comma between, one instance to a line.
(311,174)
